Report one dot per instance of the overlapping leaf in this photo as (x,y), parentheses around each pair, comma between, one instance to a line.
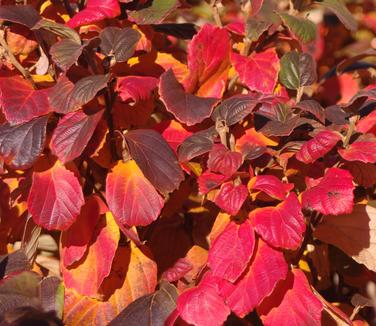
(76,239)
(24,104)
(120,43)
(292,303)
(223,161)
(271,185)
(231,251)
(136,88)
(208,62)
(281,226)
(230,197)
(87,274)
(360,150)
(332,195)
(259,71)
(72,134)
(187,108)
(268,265)
(155,158)
(318,146)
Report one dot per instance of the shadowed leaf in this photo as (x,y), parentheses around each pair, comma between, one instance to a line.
(154,13)
(65,53)
(187,108)
(155,158)
(303,28)
(21,145)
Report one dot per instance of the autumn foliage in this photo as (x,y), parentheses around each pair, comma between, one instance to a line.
(186,162)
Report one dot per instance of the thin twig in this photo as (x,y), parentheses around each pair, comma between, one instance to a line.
(350,131)
(14,60)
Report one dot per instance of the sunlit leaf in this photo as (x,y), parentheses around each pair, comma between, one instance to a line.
(292,303)
(23,104)
(87,274)
(130,196)
(268,265)
(332,195)
(94,11)
(135,88)
(222,160)
(231,251)
(208,61)
(360,150)
(281,226)
(271,185)
(318,146)
(259,71)
(230,198)
(55,198)
(76,239)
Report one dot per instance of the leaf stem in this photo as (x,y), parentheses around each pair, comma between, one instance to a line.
(216,16)
(350,131)
(14,60)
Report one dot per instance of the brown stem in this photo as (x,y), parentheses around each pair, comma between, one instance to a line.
(306,240)
(350,131)
(14,60)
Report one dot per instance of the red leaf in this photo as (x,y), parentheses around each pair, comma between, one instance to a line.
(202,305)
(224,161)
(332,195)
(173,132)
(72,134)
(176,272)
(230,198)
(208,61)
(95,10)
(130,196)
(292,303)
(259,72)
(271,185)
(231,251)
(55,198)
(281,226)
(20,102)
(75,240)
(208,181)
(367,124)
(187,108)
(135,88)
(363,151)
(318,146)
(267,267)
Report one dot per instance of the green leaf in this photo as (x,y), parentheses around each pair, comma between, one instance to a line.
(297,70)
(341,11)
(155,13)
(121,43)
(58,29)
(302,28)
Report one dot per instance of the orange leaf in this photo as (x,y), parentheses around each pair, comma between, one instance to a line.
(87,275)
(131,197)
